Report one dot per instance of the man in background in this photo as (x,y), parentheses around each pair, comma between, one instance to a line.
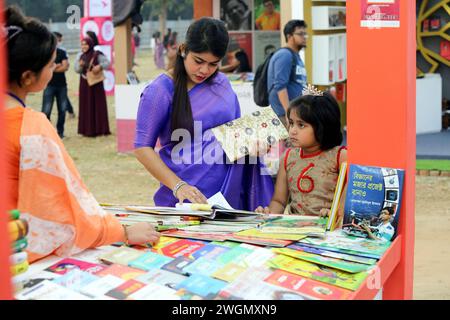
(286,76)
(57,88)
(269,19)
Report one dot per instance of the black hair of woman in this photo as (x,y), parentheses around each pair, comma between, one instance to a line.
(204,35)
(25,33)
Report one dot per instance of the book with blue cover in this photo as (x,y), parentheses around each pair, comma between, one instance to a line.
(150,260)
(372,204)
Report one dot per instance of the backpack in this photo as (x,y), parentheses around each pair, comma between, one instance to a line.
(260,92)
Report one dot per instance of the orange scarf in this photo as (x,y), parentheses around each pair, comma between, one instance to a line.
(63,216)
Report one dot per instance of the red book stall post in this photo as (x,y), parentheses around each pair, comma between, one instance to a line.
(381,124)
(5,243)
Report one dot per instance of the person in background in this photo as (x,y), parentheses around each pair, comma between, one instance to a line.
(167,37)
(286,76)
(237,15)
(91,34)
(194,93)
(44,184)
(57,88)
(93,110)
(309,170)
(269,18)
(172,49)
(69,106)
(237,60)
(158,56)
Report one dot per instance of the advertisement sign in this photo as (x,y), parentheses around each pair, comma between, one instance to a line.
(380,14)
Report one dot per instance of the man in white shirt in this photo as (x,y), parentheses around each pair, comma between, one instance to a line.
(384,231)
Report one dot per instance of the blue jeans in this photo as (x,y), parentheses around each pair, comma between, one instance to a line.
(60,93)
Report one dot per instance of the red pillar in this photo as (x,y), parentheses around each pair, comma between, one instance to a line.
(203,8)
(5,245)
(381,116)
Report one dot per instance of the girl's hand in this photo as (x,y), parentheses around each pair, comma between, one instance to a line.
(262,210)
(324,212)
(141,233)
(191,193)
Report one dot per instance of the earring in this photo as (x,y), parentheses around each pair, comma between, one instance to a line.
(183,55)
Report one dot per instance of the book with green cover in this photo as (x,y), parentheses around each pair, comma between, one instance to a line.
(351,267)
(346,280)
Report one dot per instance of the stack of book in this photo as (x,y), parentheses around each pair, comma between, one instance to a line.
(18,230)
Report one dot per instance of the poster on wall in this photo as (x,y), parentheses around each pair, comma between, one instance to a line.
(267,15)
(99,8)
(380,14)
(266,42)
(240,42)
(236,14)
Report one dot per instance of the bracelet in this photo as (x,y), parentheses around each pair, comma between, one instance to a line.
(126,234)
(178,186)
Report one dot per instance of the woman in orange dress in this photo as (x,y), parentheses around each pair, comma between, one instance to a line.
(63,216)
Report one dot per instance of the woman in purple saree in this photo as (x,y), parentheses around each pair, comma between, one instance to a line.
(180,108)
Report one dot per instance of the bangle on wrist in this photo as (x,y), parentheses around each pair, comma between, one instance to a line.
(126,234)
(177,187)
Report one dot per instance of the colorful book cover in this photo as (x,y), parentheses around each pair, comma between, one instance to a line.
(124,290)
(68,264)
(208,236)
(260,241)
(150,260)
(257,258)
(154,291)
(122,255)
(182,247)
(307,287)
(178,265)
(334,219)
(163,241)
(229,272)
(257,233)
(48,290)
(97,288)
(290,221)
(372,204)
(331,254)
(187,295)
(121,271)
(204,266)
(235,254)
(346,266)
(75,279)
(163,277)
(202,286)
(346,280)
(228,244)
(235,136)
(209,251)
(340,241)
(250,285)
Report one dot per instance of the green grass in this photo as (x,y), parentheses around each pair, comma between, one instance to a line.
(425,164)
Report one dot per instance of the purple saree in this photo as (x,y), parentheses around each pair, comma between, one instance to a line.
(199,160)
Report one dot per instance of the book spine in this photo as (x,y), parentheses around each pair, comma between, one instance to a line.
(18,258)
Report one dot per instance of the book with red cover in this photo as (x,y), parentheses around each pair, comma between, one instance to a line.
(66,265)
(121,271)
(123,291)
(180,248)
(307,287)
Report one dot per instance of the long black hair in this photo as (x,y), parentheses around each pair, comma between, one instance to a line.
(204,35)
(30,44)
(323,114)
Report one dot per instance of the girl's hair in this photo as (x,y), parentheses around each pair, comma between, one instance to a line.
(323,114)
(204,35)
(30,44)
